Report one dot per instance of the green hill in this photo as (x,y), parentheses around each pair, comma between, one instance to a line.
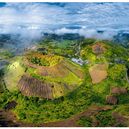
(46,76)
(84,80)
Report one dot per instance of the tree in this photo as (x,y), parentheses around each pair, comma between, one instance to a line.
(117,72)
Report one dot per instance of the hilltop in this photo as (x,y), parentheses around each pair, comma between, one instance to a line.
(46,76)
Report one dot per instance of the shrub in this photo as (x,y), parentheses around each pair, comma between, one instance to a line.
(39,61)
(85,121)
(105,118)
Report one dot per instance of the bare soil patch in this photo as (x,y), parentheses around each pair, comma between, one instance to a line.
(30,86)
(98,48)
(119,119)
(111,99)
(118,90)
(98,72)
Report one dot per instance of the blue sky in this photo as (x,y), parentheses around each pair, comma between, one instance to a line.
(2,4)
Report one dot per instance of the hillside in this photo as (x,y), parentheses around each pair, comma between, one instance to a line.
(84,81)
(46,76)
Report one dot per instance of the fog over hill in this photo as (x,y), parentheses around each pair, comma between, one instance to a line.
(22,23)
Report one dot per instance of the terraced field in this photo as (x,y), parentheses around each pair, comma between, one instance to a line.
(34,78)
(33,87)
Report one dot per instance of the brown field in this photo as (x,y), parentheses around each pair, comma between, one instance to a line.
(58,70)
(98,72)
(118,90)
(98,48)
(33,87)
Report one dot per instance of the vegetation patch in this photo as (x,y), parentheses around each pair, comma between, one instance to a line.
(5,54)
(85,121)
(13,74)
(43,60)
(105,119)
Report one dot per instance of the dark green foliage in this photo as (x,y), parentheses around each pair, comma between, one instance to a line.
(87,41)
(59,100)
(1,73)
(105,119)
(22,115)
(39,61)
(2,84)
(10,105)
(123,98)
(85,121)
(5,97)
(49,110)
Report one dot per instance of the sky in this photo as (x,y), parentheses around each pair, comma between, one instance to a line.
(30,20)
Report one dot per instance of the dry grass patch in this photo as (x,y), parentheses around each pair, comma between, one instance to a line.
(98,72)
(13,75)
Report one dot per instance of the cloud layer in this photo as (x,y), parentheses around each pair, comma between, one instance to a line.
(30,20)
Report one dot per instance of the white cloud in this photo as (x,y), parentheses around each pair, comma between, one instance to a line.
(31,19)
(88,33)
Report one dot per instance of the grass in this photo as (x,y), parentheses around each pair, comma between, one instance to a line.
(123,109)
(58,90)
(13,74)
(123,98)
